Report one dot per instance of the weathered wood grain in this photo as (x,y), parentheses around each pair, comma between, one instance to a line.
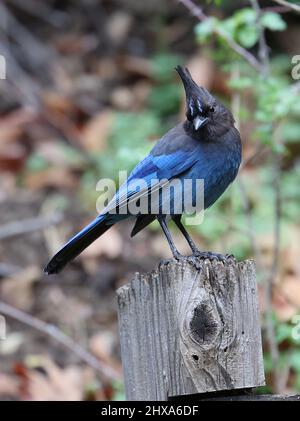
(187,329)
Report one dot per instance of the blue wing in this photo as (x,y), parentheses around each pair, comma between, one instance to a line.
(158,168)
(172,155)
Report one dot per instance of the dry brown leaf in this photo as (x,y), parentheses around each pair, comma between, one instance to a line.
(266,245)
(206,74)
(66,309)
(290,288)
(136,66)
(97,130)
(17,290)
(51,177)
(11,126)
(52,151)
(72,43)
(202,69)
(56,101)
(106,68)
(122,98)
(12,157)
(282,308)
(12,153)
(9,386)
(57,385)
(141,91)
(290,254)
(118,26)
(102,345)
(110,245)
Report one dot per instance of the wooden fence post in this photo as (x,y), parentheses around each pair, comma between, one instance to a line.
(187,329)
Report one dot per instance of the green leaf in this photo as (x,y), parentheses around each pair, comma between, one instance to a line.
(204,29)
(245,15)
(291,133)
(284,332)
(248,36)
(273,21)
(295,361)
(36,162)
(165,99)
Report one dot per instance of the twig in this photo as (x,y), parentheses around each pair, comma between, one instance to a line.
(276,9)
(201,16)
(42,11)
(7,270)
(34,48)
(26,226)
(263,52)
(59,336)
(20,82)
(294,7)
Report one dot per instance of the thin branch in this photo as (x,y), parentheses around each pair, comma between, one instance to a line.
(263,52)
(60,337)
(26,226)
(196,11)
(292,6)
(42,11)
(276,9)
(7,270)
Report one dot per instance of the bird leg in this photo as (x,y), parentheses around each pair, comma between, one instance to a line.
(162,221)
(196,252)
(194,248)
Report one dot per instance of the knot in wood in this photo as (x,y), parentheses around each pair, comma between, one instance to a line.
(203,324)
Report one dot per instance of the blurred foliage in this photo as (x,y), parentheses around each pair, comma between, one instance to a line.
(275,99)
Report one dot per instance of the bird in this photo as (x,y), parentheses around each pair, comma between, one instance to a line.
(205,146)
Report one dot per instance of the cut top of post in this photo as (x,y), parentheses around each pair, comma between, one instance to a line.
(190,328)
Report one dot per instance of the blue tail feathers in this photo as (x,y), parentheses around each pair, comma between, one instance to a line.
(78,243)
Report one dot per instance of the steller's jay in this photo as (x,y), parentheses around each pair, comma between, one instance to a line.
(205,146)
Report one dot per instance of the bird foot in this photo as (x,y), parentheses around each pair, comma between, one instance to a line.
(176,255)
(213,256)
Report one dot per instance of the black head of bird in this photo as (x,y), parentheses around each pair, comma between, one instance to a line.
(203,111)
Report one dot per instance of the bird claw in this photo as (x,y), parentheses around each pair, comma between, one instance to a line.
(176,256)
(214,256)
(230,257)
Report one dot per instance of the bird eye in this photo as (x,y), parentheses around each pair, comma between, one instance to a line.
(212,109)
